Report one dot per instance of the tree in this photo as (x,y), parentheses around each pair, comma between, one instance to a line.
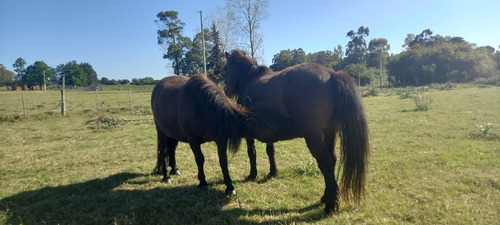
(193,59)
(360,72)
(326,58)
(35,74)
(356,48)
(287,58)
(378,49)
(425,38)
(448,62)
(91,74)
(144,81)
(6,76)
(216,58)
(171,39)
(282,60)
(73,73)
(409,38)
(19,68)
(224,20)
(249,15)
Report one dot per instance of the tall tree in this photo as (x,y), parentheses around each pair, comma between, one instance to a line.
(409,38)
(424,39)
(20,69)
(249,15)
(35,74)
(193,59)
(356,48)
(6,76)
(378,49)
(338,53)
(224,20)
(171,39)
(91,74)
(216,58)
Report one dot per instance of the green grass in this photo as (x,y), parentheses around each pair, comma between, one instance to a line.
(93,166)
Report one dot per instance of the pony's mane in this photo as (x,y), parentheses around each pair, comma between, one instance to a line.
(243,69)
(218,115)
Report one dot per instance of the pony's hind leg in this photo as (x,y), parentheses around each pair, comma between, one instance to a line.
(171,147)
(200,161)
(270,150)
(324,159)
(162,163)
(222,151)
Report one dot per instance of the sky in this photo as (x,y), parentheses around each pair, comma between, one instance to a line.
(118,37)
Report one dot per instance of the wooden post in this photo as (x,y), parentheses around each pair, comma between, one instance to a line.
(63,99)
(24,108)
(130,98)
(96,100)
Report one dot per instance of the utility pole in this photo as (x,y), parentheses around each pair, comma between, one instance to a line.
(203,44)
(63,98)
(381,68)
(44,85)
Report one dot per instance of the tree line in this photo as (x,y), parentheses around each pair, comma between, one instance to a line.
(426,58)
(38,74)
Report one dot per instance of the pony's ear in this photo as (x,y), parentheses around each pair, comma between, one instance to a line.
(227,55)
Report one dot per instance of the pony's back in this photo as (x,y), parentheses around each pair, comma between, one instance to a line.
(165,107)
(208,110)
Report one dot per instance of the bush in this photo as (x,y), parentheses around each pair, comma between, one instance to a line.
(423,103)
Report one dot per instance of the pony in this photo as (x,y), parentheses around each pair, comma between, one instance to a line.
(195,110)
(310,101)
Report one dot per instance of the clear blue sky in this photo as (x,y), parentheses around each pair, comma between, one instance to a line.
(118,37)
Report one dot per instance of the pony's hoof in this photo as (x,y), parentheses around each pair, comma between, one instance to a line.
(167,180)
(203,187)
(251,177)
(330,208)
(230,192)
(272,175)
(175,172)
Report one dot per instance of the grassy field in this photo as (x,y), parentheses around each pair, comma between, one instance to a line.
(440,166)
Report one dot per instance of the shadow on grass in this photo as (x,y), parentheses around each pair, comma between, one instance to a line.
(103,201)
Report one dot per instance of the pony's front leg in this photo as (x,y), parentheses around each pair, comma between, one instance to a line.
(252,155)
(222,150)
(270,150)
(200,161)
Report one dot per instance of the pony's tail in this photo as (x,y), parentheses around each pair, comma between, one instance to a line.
(354,138)
(237,125)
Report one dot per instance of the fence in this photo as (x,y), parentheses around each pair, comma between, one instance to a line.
(35,103)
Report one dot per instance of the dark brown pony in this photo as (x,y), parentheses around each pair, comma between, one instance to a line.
(194,110)
(310,101)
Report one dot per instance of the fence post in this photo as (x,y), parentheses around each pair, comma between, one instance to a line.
(96,100)
(63,99)
(22,98)
(130,98)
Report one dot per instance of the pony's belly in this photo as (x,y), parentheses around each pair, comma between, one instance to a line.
(279,135)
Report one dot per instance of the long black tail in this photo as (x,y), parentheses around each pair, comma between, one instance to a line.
(354,137)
